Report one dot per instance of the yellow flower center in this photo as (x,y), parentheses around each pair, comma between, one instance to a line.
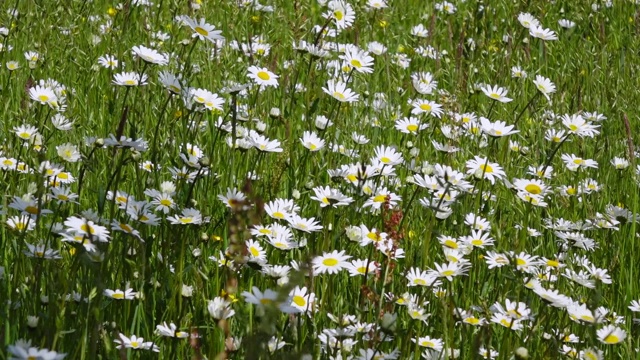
(24,135)
(339,15)
(486,168)
(130,82)
(186,220)
(425,107)
(263,75)
(385,160)
(448,272)
(87,228)
(379,198)
(330,262)
(43,98)
(412,127)
(356,63)
(472,320)
(339,95)
(420,282)
(553,263)
(611,339)
(118,296)
(31,210)
(361,270)
(451,244)
(278,215)
(201,31)
(533,189)
(135,344)
(165,202)
(494,96)
(573,127)
(254,251)
(299,300)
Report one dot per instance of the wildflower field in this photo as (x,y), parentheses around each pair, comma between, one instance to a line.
(324,179)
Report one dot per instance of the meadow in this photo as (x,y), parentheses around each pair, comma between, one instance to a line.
(327,179)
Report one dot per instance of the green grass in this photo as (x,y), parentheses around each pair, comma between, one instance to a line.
(177,269)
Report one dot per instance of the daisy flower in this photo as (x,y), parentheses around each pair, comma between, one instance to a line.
(410,125)
(68,152)
(573,162)
(426,107)
(312,141)
(171,331)
(481,168)
(202,30)
(387,155)
(542,33)
(269,297)
(118,294)
(611,335)
(108,61)
(527,20)
(220,308)
(544,85)
(496,129)
(187,217)
(43,95)
(358,60)
(303,300)
(129,79)
(232,198)
(136,343)
(330,263)
(341,12)
(330,197)
(496,93)
(150,56)
(339,91)
(262,76)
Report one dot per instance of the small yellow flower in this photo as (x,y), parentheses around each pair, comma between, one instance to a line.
(177,114)
(72,251)
(412,234)
(112,12)
(216,238)
(383,23)
(255,18)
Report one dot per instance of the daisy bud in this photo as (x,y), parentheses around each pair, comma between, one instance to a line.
(414,152)
(274,112)
(187,291)
(409,144)
(196,252)
(99,143)
(522,353)
(309,185)
(135,155)
(389,322)
(32,321)
(295,194)
(204,237)
(261,126)
(44,299)
(204,161)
